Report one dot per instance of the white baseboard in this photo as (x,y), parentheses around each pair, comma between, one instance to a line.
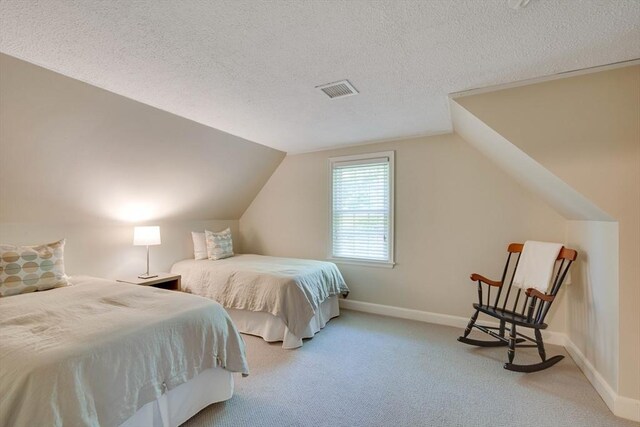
(621,406)
(404,313)
(627,408)
(550,337)
(599,383)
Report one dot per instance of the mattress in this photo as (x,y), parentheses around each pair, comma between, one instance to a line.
(290,289)
(96,352)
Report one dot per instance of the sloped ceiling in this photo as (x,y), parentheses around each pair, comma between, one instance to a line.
(529,173)
(249,68)
(575,138)
(72,152)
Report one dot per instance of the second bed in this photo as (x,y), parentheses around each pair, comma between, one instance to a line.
(278,299)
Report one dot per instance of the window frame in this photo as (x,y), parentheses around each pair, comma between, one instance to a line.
(390,262)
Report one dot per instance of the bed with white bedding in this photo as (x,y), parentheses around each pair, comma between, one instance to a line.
(105,353)
(278,299)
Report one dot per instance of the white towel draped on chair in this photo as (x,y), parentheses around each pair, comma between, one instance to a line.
(536,265)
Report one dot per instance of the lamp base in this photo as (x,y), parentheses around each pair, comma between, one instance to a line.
(147,276)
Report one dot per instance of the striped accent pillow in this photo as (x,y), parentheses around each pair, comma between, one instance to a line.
(31,268)
(219,245)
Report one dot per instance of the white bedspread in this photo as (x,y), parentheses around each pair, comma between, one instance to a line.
(289,288)
(94,353)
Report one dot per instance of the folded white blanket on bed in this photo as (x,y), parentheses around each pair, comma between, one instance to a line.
(289,288)
(536,265)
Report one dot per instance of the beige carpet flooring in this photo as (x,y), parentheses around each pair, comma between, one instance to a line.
(369,370)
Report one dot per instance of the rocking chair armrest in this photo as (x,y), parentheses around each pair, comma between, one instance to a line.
(477,277)
(532,292)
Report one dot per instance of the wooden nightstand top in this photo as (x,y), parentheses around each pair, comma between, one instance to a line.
(162,278)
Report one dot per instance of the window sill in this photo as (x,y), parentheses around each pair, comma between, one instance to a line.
(362,262)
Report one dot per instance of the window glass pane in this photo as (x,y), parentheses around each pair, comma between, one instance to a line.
(360,211)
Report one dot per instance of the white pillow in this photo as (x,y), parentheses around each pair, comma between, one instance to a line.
(199,245)
(219,245)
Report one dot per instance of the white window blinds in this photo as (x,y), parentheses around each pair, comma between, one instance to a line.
(361,211)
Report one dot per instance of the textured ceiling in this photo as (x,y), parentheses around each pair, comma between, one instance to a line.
(249,68)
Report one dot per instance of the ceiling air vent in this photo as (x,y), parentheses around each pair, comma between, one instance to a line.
(338,89)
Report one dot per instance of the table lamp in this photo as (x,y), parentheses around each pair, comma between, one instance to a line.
(146,236)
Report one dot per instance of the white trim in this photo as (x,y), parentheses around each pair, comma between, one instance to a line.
(599,383)
(357,160)
(621,406)
(527,82)
(379,155)
(628,408)
(361,262)
(551,337)
(448,131)
(404,313)
(390,156)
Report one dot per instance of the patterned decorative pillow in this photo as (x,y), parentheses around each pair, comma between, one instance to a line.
(31,268)
(199,245)
(219,245)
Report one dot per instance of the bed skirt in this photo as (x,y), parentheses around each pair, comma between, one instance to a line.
(181,403)
(272,328)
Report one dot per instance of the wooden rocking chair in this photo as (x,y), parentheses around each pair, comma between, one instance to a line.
(530,314)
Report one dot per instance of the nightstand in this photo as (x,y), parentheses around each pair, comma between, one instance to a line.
(164,281)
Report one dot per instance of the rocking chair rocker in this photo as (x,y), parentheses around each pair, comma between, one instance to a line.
(530,315)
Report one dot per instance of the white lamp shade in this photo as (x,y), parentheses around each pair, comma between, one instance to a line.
(146,236)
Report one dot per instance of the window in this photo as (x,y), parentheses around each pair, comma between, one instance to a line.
(361,204)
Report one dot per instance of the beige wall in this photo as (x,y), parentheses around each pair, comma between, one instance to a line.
(85,164)
(455,214)
(105,249)
(71,152)
(586,130)
(592,306)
